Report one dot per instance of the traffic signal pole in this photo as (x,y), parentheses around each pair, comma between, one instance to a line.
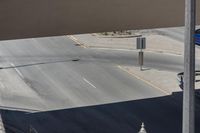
(189,68)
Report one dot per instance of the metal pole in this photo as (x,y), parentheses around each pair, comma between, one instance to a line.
(189,68)
(141,59)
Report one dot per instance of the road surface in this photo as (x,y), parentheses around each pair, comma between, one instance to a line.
(51,85)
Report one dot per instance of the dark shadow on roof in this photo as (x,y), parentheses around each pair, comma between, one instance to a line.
(160,115)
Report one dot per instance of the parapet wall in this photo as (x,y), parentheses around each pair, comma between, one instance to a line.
(38,18)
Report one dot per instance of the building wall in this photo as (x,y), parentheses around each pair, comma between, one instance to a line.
(38,18)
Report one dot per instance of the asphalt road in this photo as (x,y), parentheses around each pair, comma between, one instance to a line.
(51,85)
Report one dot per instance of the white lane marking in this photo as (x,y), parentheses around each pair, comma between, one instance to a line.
(89,83)
(76,41)
(73,38)
(20,74)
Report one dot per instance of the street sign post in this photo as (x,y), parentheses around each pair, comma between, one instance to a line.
(141,44)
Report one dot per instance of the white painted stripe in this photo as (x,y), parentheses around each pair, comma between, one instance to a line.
(76,41)
(89,83)
(73,38)
(20,74)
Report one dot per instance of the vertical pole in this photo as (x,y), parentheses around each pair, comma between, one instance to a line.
(189,68)
(141,59)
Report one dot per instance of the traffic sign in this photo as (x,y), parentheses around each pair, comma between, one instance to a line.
(141,43)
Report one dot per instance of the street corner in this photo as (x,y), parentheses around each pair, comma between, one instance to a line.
(163,81)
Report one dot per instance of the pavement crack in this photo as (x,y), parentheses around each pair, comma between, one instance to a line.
(38,63)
